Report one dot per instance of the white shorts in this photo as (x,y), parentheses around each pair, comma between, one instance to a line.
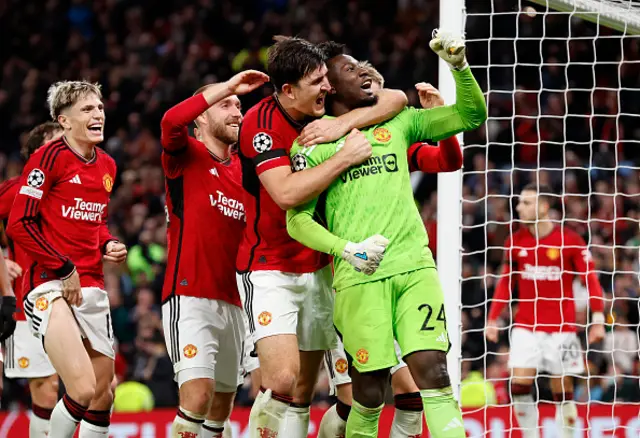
(337,366)
(26,358)
(556,353)
(250,361)
(280,303)
(205,340)
(93,315)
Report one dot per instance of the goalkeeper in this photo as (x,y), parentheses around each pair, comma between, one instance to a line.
(402,299)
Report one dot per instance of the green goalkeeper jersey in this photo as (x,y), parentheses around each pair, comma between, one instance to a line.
(376,197)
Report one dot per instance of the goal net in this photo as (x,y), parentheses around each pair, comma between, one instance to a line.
(562,80)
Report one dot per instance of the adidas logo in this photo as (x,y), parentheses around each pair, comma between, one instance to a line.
(184,282)
(214,172)
(453,424)
(442,338)
(523,253)
(75,180)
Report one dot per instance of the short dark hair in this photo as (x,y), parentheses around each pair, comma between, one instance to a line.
(36,137)
(290,59)
(332,49)
(544,191)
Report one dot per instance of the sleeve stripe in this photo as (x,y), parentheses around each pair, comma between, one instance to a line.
(7,185)
(260,109)
(35,234)
(269,155)
(29,223)
(270,116)
(55,147)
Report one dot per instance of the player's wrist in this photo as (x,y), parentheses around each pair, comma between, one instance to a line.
(66,270)
(597,318)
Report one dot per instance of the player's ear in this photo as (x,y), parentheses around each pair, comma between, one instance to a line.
(287,90)
(63,120)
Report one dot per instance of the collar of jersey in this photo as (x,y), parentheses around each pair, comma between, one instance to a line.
(80,157)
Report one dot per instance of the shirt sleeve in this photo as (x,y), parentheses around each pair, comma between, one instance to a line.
(105,235)
(583,263)
(38,177)
(8,190)
(446,157)
(174,135)
(264,146)
(502,293)
(469,112)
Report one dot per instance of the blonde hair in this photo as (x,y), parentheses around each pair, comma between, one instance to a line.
(371,70)
(65,94)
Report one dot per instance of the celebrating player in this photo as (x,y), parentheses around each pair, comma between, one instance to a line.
(543,260)
(58,219)
(26,358)
(202,314)
(286,288)
(446,157)
(402,299)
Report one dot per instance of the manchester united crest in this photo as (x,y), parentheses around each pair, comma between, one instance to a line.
(553,253)
(264,318)
(362,356)
(42,304)
(265,432)
(190,351)
(382,135)
(107,182)
(341,366)
(23,362)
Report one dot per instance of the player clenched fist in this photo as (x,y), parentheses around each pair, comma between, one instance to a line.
(449,47)
(356,149)
(115,252)
(367,255)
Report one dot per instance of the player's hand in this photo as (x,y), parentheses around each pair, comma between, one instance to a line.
(7,322)
(429,95)
(322,131)
(116,252)
(357,148)
(13,269)
(449,47)
(367,255)
(246,81)
(596,333)
(71,290)
(491,331)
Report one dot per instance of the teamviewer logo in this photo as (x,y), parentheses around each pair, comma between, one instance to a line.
(390,162)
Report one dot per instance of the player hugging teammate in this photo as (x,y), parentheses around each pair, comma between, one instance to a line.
(59,219)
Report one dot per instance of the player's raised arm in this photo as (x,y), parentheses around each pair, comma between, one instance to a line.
(583,263)
(470,110)
(37,178)
(326,130)
(174,125)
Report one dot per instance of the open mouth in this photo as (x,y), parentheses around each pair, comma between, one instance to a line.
(96,128)
(234,125)
(320,100)
(366,85)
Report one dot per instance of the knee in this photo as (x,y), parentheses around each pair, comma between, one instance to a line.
(44,392)
(282,382)
(82,390)
(369,388)
(429,369)
(196,395)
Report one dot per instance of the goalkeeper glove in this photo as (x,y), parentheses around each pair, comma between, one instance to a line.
(7,322)
(366,256)
(449,47)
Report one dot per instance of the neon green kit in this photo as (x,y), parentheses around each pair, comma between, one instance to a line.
(402,300)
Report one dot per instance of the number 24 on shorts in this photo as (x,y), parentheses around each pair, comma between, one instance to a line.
(429,310)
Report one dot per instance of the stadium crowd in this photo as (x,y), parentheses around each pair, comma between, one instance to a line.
(150,55)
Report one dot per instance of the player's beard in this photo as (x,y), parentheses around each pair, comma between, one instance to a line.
(224,132)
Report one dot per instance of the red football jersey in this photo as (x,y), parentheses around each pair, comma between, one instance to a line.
(59,214)
(266,137)
(8,191)
(544,270)
(204,209)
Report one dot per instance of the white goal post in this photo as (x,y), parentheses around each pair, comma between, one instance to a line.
(616,20)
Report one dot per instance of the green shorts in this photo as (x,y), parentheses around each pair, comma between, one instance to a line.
(406,307)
